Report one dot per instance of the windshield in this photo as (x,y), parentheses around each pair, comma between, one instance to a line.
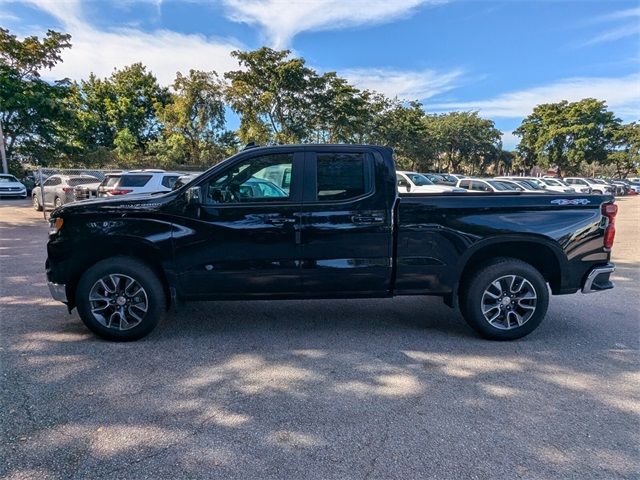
(552,182)
(419,180)
(531,185)
(7,179)
(511,186)
(498,185)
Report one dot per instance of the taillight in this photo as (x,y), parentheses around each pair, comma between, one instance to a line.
(610,210)
(118,191)
(67,189)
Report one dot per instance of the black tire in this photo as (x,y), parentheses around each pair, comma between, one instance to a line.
(36,203)
(143,275)
(472,296)
(57,202)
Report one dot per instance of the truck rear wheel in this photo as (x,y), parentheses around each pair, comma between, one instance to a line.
(504,299)
(120,298)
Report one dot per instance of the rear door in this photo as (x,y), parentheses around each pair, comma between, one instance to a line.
(346,228)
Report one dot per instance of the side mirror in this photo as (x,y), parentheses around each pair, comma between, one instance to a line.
(193,196)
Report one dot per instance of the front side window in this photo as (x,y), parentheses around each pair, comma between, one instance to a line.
(341,176)
(266,178)
(479,186)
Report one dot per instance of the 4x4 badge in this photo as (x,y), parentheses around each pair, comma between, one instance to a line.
(567,201)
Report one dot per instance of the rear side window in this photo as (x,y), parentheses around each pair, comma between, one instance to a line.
(465,184)
(134,180)
(168,181)
(341,176)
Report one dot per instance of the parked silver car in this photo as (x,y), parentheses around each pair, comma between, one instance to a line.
(59,189)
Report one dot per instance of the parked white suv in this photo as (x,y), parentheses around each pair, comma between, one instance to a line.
(144,181)
(582,184)
(414,182)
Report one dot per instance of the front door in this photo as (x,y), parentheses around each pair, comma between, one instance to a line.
(346,225)
(243,239)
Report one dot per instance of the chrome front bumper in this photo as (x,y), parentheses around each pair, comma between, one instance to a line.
(598,279)
(58,291)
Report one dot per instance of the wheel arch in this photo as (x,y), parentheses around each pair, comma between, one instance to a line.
(544,256)
(146,252)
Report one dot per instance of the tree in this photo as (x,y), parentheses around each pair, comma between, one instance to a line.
(272,94)
(464,138)
(194,121)
(567,134)
(403,127)
(625,156)
(33,112)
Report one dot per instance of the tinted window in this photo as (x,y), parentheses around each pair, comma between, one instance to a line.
(465,184)
(499,186)
(479,186)
(260,179)
(341,176)
(168,181)
(134,180)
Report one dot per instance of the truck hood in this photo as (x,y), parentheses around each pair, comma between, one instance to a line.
(142,202)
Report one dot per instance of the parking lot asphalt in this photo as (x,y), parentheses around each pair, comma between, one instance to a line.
(360,389)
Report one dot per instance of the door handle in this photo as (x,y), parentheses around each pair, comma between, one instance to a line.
(367,219)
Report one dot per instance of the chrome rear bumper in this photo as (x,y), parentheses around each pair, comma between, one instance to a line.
(58,291)
(598,279)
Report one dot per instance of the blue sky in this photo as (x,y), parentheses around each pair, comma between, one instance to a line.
(498,57)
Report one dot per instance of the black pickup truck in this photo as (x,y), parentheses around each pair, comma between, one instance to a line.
(325,221)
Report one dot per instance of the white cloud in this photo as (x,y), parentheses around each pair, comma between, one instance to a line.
(164,52)
(405,84)
(621,94)
(629,29)
(282,20)
(509,140)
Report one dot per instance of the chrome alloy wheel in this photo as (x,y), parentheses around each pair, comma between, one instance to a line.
(509,302)
(118,301)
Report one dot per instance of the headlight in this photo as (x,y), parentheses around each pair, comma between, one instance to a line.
(55,224)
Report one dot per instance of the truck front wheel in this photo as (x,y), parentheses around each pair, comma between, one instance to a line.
(120,298)
(504,299)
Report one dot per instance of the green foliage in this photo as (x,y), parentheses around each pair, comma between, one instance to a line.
(465,139)
(272,93)
(194,122)
(625,157)
(129,120)
(567,134)
(33,112)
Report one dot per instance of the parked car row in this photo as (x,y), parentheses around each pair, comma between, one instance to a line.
(415,182)
(59,189)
